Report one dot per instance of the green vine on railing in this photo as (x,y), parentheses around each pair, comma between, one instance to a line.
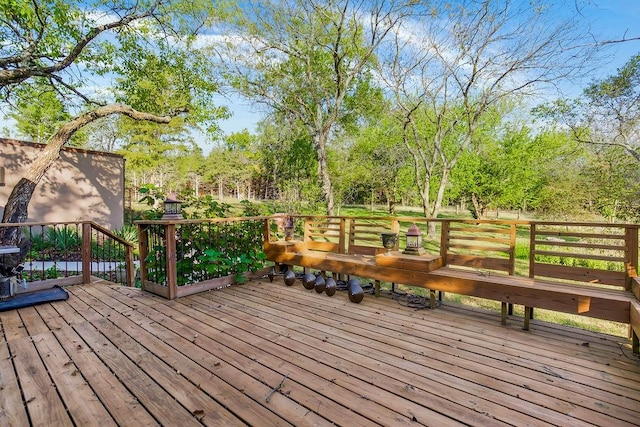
(207,250)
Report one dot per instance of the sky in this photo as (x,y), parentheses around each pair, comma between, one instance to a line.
(609,19)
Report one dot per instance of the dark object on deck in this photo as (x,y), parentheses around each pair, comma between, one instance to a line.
(341,285)
(289,278)
(356,293)
(352,282)
(320,285)
(271,274)
(330,286)
(32,298)
(309,281)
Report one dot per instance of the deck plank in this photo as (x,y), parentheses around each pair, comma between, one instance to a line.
(452,347)
(175,371)
(81,402)
(12,409)
(442,381)
(42,400)
(122,405)
(475,366)
(117,355)
(261,379)
(329,385)
(339,372)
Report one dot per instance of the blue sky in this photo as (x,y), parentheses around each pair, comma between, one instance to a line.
(609,20)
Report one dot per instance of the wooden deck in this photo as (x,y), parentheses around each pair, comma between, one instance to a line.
(117,356)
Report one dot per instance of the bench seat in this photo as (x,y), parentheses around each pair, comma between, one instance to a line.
(587,300)
(428,272)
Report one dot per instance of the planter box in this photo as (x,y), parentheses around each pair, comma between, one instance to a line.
(182,291)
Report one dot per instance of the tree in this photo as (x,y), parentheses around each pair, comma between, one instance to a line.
(376,164)
(608,113)
(38,121)
(462,64)
(64,44)
(288,164)
(309,61)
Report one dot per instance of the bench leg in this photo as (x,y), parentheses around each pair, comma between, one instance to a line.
(510,309)
(432,299)
(503,314)
(377,288)
(528,315)
(440,296)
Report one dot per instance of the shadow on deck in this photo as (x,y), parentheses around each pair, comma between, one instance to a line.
(265,354)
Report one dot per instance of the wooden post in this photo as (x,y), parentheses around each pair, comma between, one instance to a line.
(512,250)
(143,249)
(532,250)
(131,268)
(631,263)
(172,270)
(395,227)
(444,241)
(342,240)
(267,231)
(86,252)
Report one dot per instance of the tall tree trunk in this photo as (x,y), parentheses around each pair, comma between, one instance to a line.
(16,208)
(437,203)
(323,171)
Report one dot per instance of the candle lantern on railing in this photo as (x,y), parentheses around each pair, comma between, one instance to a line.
(288,228)
(414,241)
(172,208)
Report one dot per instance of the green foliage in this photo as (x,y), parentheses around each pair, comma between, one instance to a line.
(57,238)
(39,120)
(253,209)
(52,273)
(128,233)
(153,198)
(204,207)
(210,250)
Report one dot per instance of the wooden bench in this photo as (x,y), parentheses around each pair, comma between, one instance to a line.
(478,259)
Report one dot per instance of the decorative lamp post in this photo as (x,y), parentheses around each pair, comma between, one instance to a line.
(288,228)
(414,241)
(172,208)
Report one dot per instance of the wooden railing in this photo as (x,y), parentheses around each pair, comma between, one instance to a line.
(181,257)
(65,253)
(604,254)
(587,253)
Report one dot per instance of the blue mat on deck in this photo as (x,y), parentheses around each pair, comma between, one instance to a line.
(32,298)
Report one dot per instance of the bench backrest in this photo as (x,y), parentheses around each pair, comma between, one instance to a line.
(342,235)
(584,253)
(479,244)
(365,235)
(325,234)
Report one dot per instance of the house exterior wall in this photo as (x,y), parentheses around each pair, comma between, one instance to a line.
(81,184)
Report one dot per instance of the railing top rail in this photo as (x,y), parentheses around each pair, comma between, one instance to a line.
(476,221)
(26,224)
(586,224)
(55,223)
(205,220)
(110,234)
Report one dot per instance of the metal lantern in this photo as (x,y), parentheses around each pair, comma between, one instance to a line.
(414,241)
(288,228)
(172,208)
